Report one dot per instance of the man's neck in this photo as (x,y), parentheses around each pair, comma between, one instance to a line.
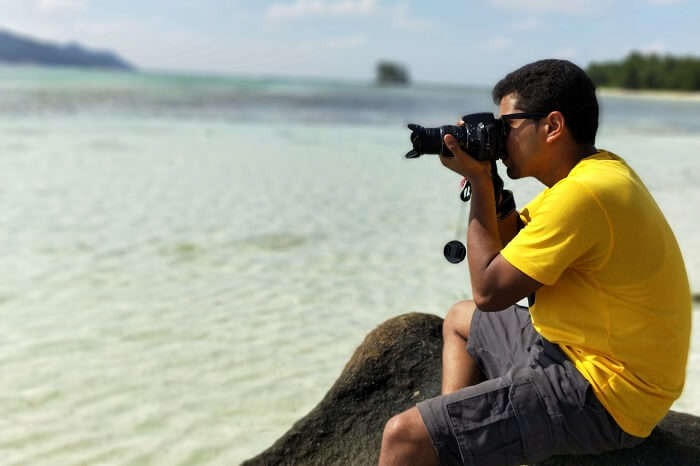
(564,162)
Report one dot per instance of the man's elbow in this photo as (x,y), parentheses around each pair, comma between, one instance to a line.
(487,302)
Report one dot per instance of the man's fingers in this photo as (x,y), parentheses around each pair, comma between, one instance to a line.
(451,143)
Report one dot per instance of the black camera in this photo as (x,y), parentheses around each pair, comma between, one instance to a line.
(483,136)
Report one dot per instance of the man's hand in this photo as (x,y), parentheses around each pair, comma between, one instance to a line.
(464,164)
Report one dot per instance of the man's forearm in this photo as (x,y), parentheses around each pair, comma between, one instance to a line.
(483,237)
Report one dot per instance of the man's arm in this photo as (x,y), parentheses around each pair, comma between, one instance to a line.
(508,227)
(496,284)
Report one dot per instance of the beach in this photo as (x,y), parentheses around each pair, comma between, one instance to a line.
(685,96)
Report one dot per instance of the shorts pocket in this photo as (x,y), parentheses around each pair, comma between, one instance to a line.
(483,422)
(534,422)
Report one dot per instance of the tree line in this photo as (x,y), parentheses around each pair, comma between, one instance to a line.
(648,71)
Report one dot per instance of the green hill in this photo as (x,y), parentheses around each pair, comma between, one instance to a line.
(19,49)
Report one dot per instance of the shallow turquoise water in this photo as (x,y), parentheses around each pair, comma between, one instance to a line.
(190,261)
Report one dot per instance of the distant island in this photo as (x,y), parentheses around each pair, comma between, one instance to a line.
(390,73)
(18,49)
(648,71)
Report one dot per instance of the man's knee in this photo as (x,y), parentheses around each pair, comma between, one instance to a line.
(406,438)
(399,428)
(458,319)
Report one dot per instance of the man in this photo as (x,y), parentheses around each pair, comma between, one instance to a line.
(581,371)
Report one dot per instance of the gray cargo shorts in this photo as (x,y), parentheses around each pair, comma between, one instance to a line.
(535,403)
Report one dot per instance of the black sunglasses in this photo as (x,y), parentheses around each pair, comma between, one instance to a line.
(524,116)
(520,116)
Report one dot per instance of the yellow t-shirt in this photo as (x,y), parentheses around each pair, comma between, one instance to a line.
(616,296)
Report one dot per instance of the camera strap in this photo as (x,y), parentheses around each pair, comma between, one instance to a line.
(466,193)
(455,251)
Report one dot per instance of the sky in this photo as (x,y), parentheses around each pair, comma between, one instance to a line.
(460,42)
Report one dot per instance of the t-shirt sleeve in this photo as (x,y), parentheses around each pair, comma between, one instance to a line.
(567,227)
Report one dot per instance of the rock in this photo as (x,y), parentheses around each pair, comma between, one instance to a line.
(398,365)
(675,441)
(390,73)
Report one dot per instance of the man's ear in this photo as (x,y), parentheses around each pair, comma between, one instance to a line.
(554,125)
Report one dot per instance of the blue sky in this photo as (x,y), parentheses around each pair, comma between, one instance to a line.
(465,42)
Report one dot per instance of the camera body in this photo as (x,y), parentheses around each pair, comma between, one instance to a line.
(483,137)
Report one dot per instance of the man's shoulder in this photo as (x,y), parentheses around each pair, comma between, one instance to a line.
(602,168)
(597,182)
(603,176)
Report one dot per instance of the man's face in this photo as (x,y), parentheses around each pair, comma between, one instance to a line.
(522,143)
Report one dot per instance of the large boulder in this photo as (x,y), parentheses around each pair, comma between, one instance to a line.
(674,442)
(398,365)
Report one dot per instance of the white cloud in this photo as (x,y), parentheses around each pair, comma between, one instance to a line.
(666,2)
(398,15)
(568,6)
(50,6)
(304,8)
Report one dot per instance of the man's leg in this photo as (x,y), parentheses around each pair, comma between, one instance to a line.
(459,369)
(406,442)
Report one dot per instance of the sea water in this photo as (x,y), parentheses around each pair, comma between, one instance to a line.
(188,261)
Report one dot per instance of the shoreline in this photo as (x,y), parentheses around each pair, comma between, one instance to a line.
(656,94)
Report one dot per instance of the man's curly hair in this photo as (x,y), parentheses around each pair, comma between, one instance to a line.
(548,85)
